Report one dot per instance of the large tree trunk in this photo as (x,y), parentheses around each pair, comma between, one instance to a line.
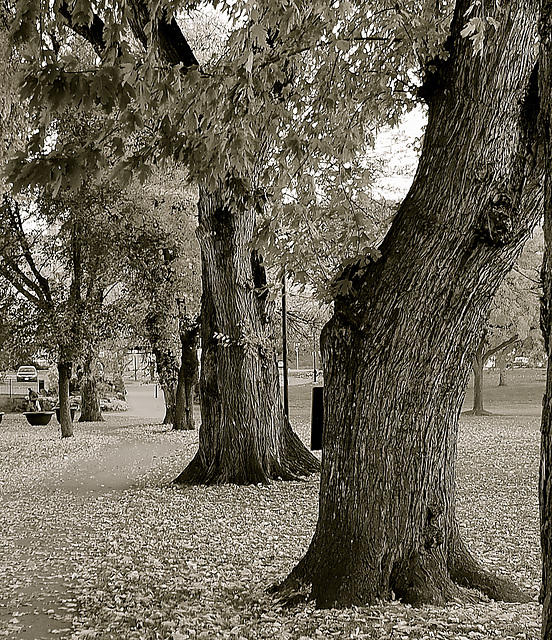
(244,436)
(545,479)
(90,398)
(167,372)
(187,376)
(398,351)
(161,335)
(64,373)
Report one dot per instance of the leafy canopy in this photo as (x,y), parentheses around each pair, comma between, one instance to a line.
(298,83)
(277,116)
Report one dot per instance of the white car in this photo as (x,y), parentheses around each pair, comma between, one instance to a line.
(27,374)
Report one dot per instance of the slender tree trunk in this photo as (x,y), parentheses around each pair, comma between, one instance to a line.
(477,368)
(398,351)
(64,373)
(90,398)
(545,479)
(187,377)
(481,356)
(503,370)
(244,437)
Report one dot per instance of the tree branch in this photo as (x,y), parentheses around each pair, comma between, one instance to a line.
(501,347)
(37,289)
(93,33)
(170,40)
(173,46)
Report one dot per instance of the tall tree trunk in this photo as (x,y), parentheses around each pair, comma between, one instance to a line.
(64,373)
(187,376)
(90,398)
(477,368)
(545,479)
(502,363)
(398,351)
(244,437)
(162,337)
(167,372)
(481,356)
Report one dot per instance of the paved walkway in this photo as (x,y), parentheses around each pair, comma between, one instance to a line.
(145,400)
(39,540)
(42,519)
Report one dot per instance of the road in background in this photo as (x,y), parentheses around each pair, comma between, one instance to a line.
(147,400)
(10,386)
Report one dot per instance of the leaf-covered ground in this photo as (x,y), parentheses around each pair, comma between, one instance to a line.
(96,544)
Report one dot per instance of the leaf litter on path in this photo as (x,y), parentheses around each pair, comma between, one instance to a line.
(158,561)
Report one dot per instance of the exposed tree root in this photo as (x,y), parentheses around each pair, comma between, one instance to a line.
(423,579)
(467,572)
(477,412)
(247,467)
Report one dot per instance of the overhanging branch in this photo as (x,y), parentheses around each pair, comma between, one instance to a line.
(171,42)
(503,345)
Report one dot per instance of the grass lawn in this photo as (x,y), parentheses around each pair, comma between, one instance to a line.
(96,544)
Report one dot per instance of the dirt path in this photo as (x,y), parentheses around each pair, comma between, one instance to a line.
(44,522)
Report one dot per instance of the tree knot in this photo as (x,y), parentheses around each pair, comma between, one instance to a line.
(498,219)
(434,535)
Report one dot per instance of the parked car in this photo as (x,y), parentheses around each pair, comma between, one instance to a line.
(27,374)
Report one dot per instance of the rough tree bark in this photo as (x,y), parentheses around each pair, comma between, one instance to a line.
(167,372)
(244,437)
(166,360)
(64,373)
(398,352)
(90,398)
(545,479)
(187,374)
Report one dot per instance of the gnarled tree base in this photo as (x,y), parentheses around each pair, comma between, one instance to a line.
(467,572)
(423,580)
(248,467)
